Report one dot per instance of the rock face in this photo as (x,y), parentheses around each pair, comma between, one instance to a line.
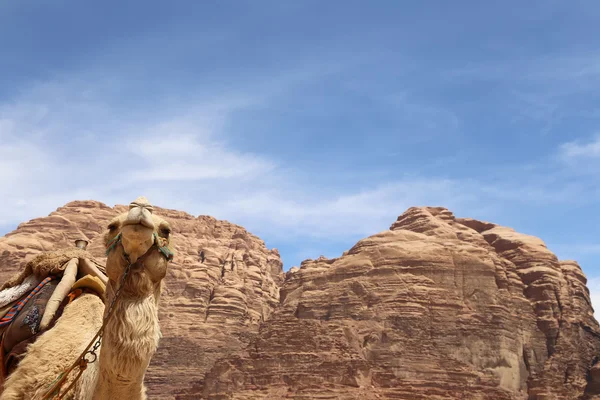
(221,285)
(437,307)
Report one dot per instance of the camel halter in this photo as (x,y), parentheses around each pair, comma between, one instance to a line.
(82,360)
(164,250)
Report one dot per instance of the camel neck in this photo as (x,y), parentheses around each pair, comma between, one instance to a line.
(114,387)
(130,340)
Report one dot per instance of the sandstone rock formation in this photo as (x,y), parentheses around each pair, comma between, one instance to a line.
(222,284)
(437,307)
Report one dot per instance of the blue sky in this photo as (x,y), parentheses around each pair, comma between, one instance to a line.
(313,124)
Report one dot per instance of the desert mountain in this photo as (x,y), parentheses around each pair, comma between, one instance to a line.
(436,307)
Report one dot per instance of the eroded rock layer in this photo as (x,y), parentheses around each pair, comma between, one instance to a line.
(221,285)
(437,307)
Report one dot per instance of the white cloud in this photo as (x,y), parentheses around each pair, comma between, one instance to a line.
(185,155)
(301,211)
(63,143)
(58,146)
(180,157)
(579,150)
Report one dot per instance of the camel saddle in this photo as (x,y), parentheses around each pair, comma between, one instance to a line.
(24,328)
(38,311)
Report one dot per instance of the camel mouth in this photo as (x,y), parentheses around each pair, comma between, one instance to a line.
(139,216)
(137,238)
(145,222)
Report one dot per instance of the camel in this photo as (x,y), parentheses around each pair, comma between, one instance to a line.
(132,331)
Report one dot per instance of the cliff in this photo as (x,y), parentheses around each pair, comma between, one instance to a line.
(436,307)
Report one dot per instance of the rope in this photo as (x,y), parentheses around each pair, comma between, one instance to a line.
(82,366)
(113,243)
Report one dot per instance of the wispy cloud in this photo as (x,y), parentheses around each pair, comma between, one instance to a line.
(64,140)
(53,153)
(345,215)
(181,153)
(72,139)
(180,157)
(580,149)
(544,89)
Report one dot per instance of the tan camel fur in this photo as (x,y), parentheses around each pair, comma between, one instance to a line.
(132,333)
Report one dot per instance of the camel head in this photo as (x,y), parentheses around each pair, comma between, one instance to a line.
(143,239)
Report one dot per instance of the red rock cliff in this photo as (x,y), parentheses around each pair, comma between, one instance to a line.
(437,307)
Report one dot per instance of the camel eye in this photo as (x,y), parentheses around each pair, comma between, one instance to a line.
(165,232)
(113,226)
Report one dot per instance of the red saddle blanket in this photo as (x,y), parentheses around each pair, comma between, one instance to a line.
(21,325)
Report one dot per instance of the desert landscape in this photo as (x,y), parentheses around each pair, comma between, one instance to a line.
(435,307)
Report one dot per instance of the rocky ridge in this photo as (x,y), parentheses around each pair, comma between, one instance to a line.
(436,307)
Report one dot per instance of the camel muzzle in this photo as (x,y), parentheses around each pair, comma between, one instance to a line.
(139,216)
(137,235)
